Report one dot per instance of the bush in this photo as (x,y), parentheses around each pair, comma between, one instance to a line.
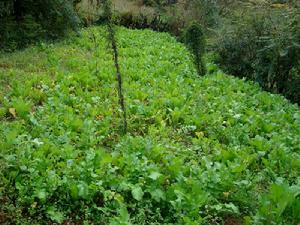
(14,35)
(142,21)
(23,22)
(206,12)
(158,2)
(194,39)
(262,46)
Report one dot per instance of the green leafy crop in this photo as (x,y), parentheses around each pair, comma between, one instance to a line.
(209,150)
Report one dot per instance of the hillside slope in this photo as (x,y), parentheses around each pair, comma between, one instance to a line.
(199,150)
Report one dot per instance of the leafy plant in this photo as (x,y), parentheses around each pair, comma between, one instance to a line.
(194,39)
(263,47)
(208,150)
(24,22)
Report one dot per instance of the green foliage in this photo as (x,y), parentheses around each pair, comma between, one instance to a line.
(167,16)
(35,20)
(205,12)
(142,21)
(158,2)
(198,150)
(195,40)
(282,200)
(263,47)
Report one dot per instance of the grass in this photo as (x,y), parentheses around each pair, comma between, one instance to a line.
(209,150)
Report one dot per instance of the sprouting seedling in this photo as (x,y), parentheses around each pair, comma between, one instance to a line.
(108,15)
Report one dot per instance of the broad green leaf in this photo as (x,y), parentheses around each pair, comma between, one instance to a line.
(55,215)
(41,194)
(137,193)
(158,195)
(155,175)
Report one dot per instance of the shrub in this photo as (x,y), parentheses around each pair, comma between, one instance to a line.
(158,2)
(14,35)
(206,12)
(194,39)
(142,21)
(22,22)
(261,46)
(282,52)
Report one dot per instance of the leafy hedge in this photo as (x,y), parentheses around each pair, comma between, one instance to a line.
(199,150)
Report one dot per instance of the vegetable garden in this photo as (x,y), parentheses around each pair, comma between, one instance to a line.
(209,150)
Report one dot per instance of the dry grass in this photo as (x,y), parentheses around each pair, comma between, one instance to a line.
(88,8)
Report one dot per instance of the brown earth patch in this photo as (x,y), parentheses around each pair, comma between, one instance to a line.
(3,218)
(232,221)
